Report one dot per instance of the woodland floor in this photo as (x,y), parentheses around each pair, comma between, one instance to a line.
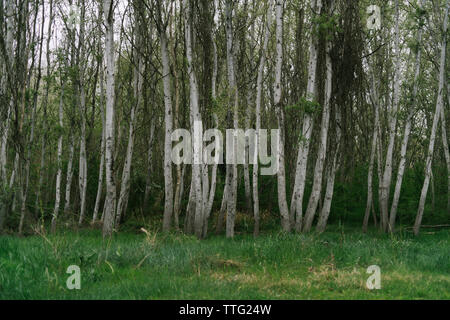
(274,266)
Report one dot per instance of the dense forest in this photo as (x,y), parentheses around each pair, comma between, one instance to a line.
(95,97)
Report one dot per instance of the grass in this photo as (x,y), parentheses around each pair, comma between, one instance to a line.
(274,266)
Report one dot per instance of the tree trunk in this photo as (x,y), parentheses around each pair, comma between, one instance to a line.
(102,149)
(318,170)
(233,91)
(437,114)
(59,172)
(196,127)
(281,175)
(137,92)
(82,174)
(387,175)
(69,174)
(110,201)
(148,181)
(303,150)
(168,183)
(402,164)
(259,85)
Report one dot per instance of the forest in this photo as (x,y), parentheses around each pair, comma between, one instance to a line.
(319,116)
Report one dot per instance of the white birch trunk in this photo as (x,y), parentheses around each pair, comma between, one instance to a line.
(404,146)
(325,212)
(82,174)
(318,170)
(374,97)
(259,85)
(69,174)
(195,118)
(303,150)
(437,114)
(233,90)
(102,150)
(281,175)
(59,160)
(168,183)
(137,84)
(110,202)
(387,175)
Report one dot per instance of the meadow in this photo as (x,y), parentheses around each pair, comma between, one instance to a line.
(143,264)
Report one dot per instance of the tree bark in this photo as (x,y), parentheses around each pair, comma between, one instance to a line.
(296,210)
(59,160)
(402,164)
(318,170)
(233,90)
(437,114)
(110,202)
(281,174)
(387,175)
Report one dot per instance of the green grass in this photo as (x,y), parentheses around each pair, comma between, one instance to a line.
(274,266)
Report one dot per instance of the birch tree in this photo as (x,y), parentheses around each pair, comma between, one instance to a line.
(437,115)
(231,188)
(281,174)
(137,93)
(259,87)
(296,210)
(59,157)
(318,170)
(168,117)
(407,131)
(110,202)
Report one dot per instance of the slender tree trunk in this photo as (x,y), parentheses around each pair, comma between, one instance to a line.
(148,181)
(110,201)
(168,183)
(59,172)
(308,122)
(259,85)
(212,191)
(402,164)
(69,174)
(325,212)
(437,114)
(223,206)
(233,90)
(281,174)
(195,125)
(179,179)
(375,103)
(318,170)
(37,206)
(102,149)
(28,147)
(82,174)
(137,90)
(387,175)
